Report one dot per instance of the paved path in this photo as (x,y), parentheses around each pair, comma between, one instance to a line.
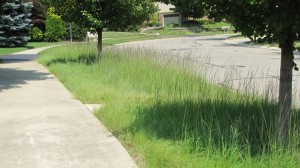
(230,62)
(43,126)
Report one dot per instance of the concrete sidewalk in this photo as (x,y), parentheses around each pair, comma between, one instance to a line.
(43,126)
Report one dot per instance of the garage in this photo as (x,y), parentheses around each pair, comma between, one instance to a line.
(171,19)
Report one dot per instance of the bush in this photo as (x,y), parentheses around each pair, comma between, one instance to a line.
(169,26)
(157,24)
(150,24)
(153,24)
(192,23)
(36,34)
(55,27)
(153,20)
(203,21)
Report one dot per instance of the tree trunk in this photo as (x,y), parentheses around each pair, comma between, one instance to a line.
(285,89)
(99,44)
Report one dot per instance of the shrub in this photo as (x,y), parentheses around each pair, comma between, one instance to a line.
(154,20)
(192,23)
(55,27)
(154,17)
(203,21)
(157,24)
(169,26)
(36,34)
(150,24)
(153,24)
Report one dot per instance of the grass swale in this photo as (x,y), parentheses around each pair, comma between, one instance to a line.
(167,115)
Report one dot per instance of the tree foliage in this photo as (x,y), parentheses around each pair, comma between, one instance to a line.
(272,20)
(36,34)
(38,14)
(1,4)
(79,33)
(15,23)
(55,26)
(99,14)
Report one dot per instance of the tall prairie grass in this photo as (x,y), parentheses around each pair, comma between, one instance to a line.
(167,115)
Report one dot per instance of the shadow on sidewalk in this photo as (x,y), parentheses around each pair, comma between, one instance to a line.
(14,78)
(18,58)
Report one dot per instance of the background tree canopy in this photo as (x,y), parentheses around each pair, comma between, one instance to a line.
(15,23)
(38,14)
(99,14)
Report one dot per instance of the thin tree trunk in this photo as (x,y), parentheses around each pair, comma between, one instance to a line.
(71,33)
(99,44)
(285,89)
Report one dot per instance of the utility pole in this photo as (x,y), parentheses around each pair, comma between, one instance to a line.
(71,34)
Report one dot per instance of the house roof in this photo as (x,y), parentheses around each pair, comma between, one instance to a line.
(164,8)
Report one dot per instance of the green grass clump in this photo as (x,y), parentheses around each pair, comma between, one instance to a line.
(166,115)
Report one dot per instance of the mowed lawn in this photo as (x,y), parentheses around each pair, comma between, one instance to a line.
(30,45)
(109,38)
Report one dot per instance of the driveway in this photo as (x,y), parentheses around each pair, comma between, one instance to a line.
(230,63)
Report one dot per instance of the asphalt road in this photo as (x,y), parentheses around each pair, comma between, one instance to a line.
(231,63)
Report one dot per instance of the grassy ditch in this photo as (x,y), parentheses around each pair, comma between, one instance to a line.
(166,115)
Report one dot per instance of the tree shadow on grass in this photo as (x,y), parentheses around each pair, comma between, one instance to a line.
(217,123)
(87,59)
